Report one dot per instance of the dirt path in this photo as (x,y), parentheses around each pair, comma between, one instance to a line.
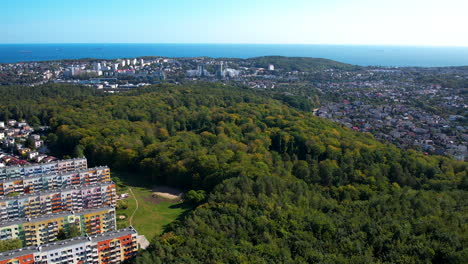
(136,208)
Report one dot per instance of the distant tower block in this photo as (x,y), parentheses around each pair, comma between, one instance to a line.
(97,66)
(220,70)
(271,67)
(201,72)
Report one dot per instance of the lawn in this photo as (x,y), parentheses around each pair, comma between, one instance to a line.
(153,213)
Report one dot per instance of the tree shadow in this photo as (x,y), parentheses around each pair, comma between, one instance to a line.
(187,210)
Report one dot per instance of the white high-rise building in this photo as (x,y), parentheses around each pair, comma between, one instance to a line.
(115,66)
(128,61)
(134,61)
(142,62)
(123,63)
(75,70)
(97,66)
(271,67)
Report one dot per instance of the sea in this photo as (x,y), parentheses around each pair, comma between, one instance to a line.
(390,56)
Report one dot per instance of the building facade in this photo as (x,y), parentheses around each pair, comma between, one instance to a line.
(43,168)
(110,247)
(52,181)
(45,229)
(47,202)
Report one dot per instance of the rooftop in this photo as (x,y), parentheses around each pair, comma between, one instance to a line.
(40,164)
(51,174)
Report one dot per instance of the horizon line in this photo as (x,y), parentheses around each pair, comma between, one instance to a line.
(227,43)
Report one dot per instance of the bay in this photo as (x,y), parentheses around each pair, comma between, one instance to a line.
(424,56)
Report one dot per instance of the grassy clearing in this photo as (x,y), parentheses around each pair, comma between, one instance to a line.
(153,213)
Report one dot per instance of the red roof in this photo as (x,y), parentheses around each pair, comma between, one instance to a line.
(17,162)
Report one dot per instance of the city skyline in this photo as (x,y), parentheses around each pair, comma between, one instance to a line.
(357,22)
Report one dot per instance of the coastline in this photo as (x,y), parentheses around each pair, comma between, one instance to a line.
(361,55)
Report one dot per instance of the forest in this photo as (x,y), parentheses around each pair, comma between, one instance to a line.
(302,64)
(268,181)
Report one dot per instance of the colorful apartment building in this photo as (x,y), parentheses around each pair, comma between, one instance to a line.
(47,202)
(110,247)
(43,168)
(52,181)
(45,229)
(37,201)
(114,247)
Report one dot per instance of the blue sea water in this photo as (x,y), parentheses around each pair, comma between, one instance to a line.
(353,54)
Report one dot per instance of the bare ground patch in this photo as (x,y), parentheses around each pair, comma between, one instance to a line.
(167,193)
(156,199)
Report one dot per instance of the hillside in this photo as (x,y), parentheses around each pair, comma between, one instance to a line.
(272,184)
(303,64)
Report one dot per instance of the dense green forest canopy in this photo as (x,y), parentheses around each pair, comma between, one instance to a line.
(274,184)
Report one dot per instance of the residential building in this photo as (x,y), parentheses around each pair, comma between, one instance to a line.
(45,228)
(52,181)
(35,169)
(47,202)
(111,247)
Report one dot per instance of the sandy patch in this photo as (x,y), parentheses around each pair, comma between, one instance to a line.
(167,192)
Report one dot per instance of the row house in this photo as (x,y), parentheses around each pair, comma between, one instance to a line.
(44,229)
(110,247)
(55,201)
(43,168)
(52,181)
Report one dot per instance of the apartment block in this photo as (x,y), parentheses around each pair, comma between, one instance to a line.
(53,181)
(110,247)
(47,202)
(43,168)
(44,229)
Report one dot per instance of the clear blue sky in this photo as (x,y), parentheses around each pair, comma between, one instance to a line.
(393,22)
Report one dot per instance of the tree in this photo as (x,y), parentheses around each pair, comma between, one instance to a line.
(78,151)
(71,231)
(122,205)
(194,197)
(10,244)
(301,170)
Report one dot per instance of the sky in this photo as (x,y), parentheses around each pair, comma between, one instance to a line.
(359,22)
